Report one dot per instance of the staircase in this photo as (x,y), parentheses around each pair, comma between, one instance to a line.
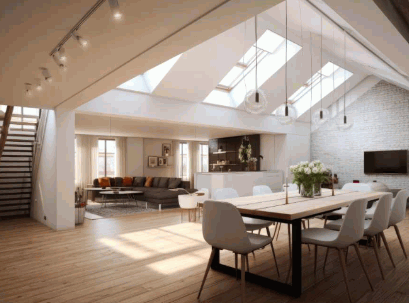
(16,162)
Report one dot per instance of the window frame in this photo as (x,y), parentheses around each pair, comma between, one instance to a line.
(181,154)
(202,155)
(105,156)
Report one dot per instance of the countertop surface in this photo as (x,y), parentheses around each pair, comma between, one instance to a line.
(240,172)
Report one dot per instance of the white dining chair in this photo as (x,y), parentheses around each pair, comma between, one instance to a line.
(259,190)
(350,232)
(374,227)
(203,198)
(251,224)
(398,214)
(223,228)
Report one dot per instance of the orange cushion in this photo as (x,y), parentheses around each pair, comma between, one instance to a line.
(149,182)
(127,181)
(104,182)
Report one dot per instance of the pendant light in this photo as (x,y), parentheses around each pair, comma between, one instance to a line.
(255,101)
(286,113)
(322,115)
(343,123)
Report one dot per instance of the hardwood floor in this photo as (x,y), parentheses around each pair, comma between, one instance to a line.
(152,257)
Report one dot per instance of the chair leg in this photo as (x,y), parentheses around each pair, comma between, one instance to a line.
(235,263)
(259,231)
(375,247)
(344,271)
(326,257)
(272,249)
(278,231)
(315,258)
(346,254)
(400,240)
(207,270)
(362,264)
(325,221)
(291,258)
(303,224)
(247,261)
(387,248)
(243,278)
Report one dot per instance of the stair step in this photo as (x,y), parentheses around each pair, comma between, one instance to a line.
(18,145)
(19,140)
(14,161)
(15,194)
(16,177)
(14,210)
(13,166)
(23,116)
(16,204)
(20,135)
(17,156)
(23,123)
(25,182)
(17,151)
(13,199)
(13,188)
(16,172)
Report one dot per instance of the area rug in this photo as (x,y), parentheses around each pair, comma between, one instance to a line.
(94,211)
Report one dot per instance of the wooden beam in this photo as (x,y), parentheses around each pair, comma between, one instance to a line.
(5,128)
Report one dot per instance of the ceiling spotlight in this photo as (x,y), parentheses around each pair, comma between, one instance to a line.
(61,65)
(46,74)
(117,15)
(38,85)
(60,54)
(84,43)
(28,91)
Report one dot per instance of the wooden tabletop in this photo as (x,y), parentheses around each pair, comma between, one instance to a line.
(272,206)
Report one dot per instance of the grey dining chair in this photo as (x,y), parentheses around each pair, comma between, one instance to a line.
(350,232)
(374,227)
(223,228)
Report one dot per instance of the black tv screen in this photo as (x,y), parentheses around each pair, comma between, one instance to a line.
(386,162)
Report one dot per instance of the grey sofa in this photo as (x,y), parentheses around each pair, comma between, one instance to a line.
(159,193)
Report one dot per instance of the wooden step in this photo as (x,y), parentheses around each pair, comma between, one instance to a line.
(14,204)
(19,135)
(24,116)
(17,151)
(25,182)
(16,172)
(14,210)
(13,199)
(19,145)
(13,166)
(15,161)
(16,177)
(21,130)
(19,140)
(13,188)
(17,156)
(23,123)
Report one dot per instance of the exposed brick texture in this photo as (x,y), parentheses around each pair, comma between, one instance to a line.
(381,122)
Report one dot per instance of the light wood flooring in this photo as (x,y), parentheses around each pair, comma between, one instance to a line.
(153,257)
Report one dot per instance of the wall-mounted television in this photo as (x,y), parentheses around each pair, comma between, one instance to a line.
(386,162)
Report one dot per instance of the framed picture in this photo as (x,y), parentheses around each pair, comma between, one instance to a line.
(160,163)
(166,149)
(152,161)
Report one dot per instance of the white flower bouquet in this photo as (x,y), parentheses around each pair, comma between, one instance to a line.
(309,174)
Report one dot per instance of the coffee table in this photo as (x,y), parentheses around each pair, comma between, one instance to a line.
(120,196)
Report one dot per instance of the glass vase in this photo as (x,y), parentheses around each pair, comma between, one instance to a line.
(317,189)
(307,190)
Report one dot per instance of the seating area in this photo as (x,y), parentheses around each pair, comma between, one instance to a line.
(204,151)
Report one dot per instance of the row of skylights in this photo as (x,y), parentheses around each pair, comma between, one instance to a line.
(302,97)
(241,78)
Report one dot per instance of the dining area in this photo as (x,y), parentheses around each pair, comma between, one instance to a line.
(327,234)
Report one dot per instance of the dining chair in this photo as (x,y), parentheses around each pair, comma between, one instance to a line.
(374,227)
(398,214)
(251,224)
(223,228)
(350,232)
(203,198)
(259,190)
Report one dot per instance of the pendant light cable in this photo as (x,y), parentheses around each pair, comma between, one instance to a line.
(255,34)
(333,66)
(286,41)
(321,113)
(345,59)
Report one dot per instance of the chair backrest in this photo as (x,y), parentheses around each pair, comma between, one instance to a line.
(261,190)
(398,211)
(352,229)
(382,213)
(291,187)
(224,193)
(223,226)
(362,187)
(206,192)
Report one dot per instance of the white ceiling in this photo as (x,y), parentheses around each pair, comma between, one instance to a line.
(148,128)
(153,31)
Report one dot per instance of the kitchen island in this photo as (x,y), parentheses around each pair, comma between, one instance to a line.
(242,181)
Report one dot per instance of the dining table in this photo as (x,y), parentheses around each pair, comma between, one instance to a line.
(290,208)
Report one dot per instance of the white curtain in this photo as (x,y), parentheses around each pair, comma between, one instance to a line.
(86,164)
(176,159)
(194,156)
(120,157)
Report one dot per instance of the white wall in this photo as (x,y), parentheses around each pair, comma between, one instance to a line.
(267,150)
(153,147)
(134,157)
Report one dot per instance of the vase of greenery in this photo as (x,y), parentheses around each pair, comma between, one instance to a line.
(245,154)
(309,176)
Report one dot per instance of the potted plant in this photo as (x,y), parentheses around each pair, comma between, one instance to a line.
(252,164)
(309,176)
(79,207)
(245,153)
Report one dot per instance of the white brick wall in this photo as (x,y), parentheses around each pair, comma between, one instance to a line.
(381,122)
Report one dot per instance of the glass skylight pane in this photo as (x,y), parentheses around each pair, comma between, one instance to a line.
(246,59)
(329,68)
(219,98)
(137,84)
(231,76)
(155,75)
(269,41)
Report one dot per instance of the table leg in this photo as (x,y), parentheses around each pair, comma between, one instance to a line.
(296,256)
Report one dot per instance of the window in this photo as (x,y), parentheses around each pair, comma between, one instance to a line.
(302,97)
(183,161)
(106,158)
(204,158)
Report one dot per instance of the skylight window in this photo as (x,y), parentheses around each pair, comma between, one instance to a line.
(302,97)
(148,81)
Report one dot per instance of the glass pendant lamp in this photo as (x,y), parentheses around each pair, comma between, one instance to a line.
(255,101)
(286,113)
(322,115)
(343,122)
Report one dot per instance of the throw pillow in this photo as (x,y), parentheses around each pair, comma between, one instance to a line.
(104,182)
(156,181)
(163,182)
(139,181)
(127,181)
(174,182)
(149,181)
(118,182)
